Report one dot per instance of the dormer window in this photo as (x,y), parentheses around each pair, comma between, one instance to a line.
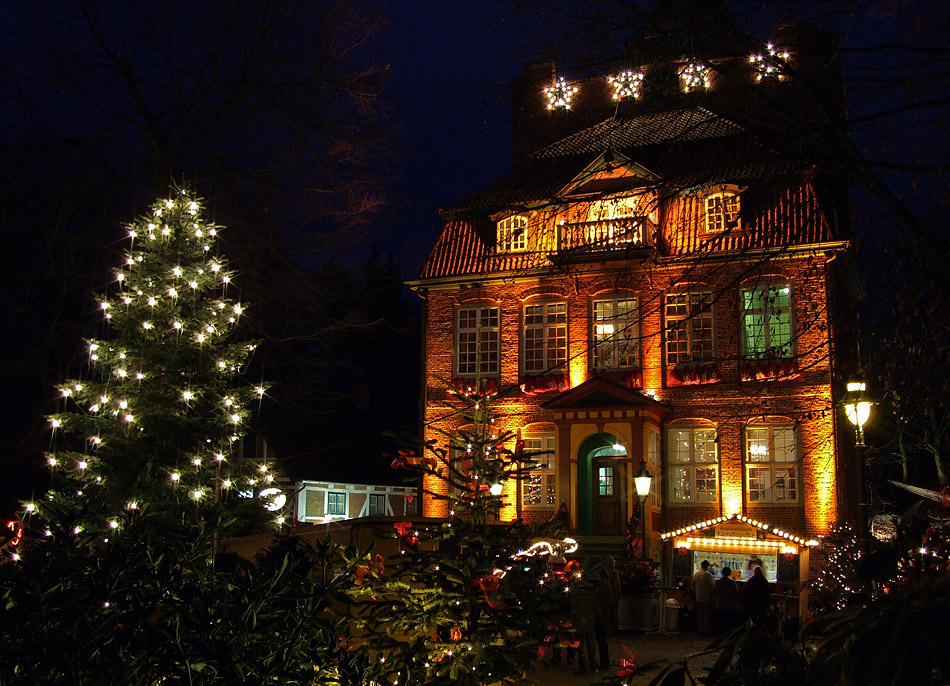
(722,211)
(512,234)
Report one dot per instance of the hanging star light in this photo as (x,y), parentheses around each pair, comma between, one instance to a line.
(770,65)
(694,76)
(559,95)
(626,84)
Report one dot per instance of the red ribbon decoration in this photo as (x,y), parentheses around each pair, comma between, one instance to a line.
(627,667)
(455,634)
(487,584)
(402,528)
(378,567)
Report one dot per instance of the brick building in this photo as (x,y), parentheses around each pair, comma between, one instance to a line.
(664,279)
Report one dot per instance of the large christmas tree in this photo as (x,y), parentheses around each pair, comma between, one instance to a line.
(472,599)
(119,578)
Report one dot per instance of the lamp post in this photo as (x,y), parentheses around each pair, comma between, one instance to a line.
(643,481)
(857,408)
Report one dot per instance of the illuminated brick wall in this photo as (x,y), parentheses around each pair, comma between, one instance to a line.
(731,403)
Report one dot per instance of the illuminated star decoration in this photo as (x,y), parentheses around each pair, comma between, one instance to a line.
(771,65)
(627,84)
(559,95)
(694,76)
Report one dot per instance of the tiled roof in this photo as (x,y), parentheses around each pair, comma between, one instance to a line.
(645,130)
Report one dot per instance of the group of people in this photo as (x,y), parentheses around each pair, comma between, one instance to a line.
(594,616)
(718,602)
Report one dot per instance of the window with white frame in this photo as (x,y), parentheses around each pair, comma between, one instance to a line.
(544,337)
(512,234)
(722,211)
(538,488)
(477,341)
(377,503)
(767,321)
(690,327)
(653,458)
(336,503)
(615,333)
(771,463)
(693,464)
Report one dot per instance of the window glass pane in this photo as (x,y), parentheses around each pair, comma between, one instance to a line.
(605,480)
(759,479)
(705,450)
(681,483)
(706,484)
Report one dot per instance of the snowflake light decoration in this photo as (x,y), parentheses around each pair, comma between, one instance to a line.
(559,95)
(627,84)
(769,66)
(694,75)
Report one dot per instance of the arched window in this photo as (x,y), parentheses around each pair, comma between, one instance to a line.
(512,234)
(722,211)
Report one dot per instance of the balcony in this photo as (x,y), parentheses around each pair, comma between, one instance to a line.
(606,235)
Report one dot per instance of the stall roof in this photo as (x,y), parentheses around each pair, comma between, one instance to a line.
(762,526)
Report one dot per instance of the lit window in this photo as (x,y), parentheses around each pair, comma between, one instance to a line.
(722,212)
(767,322)
(617,208)
(512,234)
(615,333)
(653,453)
(690,327)
(477,340)
(771,457)
(410,506)
(336,503)
(693,465)
(545,337)
(539,486)
(377,503)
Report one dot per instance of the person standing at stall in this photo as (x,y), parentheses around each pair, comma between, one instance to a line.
(726,600)
(703,585)
(757,594)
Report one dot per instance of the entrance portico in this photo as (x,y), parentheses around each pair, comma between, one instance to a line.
(603,432)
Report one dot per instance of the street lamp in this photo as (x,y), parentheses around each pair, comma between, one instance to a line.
(857,407)
(643,481)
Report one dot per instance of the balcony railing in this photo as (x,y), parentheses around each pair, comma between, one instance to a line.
(607,234)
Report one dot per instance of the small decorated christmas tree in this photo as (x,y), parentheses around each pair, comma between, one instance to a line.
(837,583)
(472,599)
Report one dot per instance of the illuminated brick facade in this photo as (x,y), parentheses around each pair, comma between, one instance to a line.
(679,294)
